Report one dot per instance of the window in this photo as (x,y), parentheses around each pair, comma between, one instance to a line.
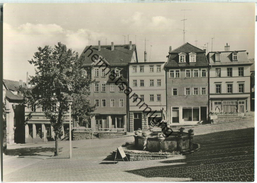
(191,114)
(142,68)
(134,83)
(241,88)
(188,73)
(230,88)
(112,103)
(195,91)
(182,57)
(195,73)
(158,97)
(204,73)
(159,82)
(142,83)
(134,98)
(97,103)
(229,72)
(203,91)
(117,72)
(158,68)
(240,71)
(96,87)
(218,88)
(121,103)
(172,75)
(177,73)
(174,91)
(187,91)
(151,68)
(217,57)
(96,73)
(151,82)
(103,103)
(134,69)
(151,98)
(192,57)
(103,73)
(234,56)
(112,87)
(142,97)
(218,72)
(103,87)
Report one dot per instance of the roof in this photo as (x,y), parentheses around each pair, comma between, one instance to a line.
(173,58)
(133,63)
(13,97)
(187,48)
(12,85)
(252,68)
(226,57)
(120,56)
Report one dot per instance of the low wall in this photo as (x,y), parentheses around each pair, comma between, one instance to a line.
(81,135)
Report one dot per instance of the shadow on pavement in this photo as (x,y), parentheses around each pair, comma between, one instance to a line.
(28,151)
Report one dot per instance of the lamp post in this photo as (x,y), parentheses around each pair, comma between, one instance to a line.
(70,103)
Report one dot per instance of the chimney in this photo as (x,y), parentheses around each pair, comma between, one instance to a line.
(130,45)
(227,47)
(99,45)
(204,50)
(145,56)
(170,49)
(112,47)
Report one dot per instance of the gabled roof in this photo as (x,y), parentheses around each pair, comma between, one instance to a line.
(187,48)
(12,85)
(120,56)
(173,58)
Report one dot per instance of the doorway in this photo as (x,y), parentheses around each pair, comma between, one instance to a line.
(204,114)
(137,121)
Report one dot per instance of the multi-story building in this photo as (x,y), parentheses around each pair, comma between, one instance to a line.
(186,73)
(108,66)
(229,81)
(14,117)
(148,99)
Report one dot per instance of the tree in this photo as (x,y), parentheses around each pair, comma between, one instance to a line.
(59,74)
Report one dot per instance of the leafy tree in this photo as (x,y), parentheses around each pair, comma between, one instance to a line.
(59,76)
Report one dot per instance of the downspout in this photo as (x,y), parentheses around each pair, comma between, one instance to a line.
(208,91)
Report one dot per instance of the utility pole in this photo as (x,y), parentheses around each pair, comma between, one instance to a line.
(124,39)
(212,43)
(184,25)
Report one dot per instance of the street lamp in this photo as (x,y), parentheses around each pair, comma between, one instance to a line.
(70,103)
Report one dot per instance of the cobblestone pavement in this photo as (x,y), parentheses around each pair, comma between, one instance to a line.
(223,156)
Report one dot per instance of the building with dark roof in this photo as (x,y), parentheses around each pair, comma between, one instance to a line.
(14,109)
(186,73)
(229,81)
(108,65)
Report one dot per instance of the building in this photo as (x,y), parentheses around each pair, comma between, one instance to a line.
(14,109)
(108,65)
(186,73)
(148,99)
(252,70)
(229,81)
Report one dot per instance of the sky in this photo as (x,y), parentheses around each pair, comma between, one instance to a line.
(156,25)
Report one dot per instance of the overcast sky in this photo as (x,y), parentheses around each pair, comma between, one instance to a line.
(28,26)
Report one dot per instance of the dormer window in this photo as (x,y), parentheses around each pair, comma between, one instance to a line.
(217,57)
(234,56)
(182,57)
(192,57)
